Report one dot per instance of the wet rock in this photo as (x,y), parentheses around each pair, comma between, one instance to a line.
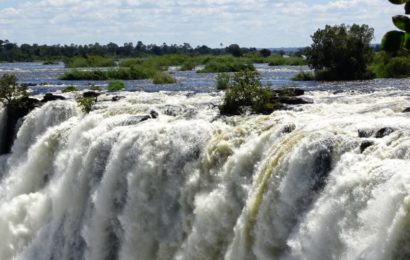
(28,84)
(154,114)
(15,111)
(295,100)
(365,133)
(117,98)
(385,131)
(289,92)
(406,110)
(51,97)
(145,118)
(289,129)
(323,166)
(365,144)
(91,94)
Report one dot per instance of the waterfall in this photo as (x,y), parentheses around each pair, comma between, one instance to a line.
(118,183)
(2,125)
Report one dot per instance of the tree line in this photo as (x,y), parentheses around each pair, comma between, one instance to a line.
(10,52)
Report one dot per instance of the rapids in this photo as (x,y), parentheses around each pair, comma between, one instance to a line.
(189,184)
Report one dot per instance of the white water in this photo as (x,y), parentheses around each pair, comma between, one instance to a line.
(192,185)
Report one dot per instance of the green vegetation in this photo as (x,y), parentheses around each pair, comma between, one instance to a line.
(226,64)
(304,76)
(50,62)
(133,73)
(246,91)
(277,60)
(386,66)
(265,53)
(10,91)
(341,52)
(86,103)
(222,81)
(395,41)
(92,61)
(70,89)
(163,78)
(115,85)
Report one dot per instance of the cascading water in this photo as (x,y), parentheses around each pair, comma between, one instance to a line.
(188,184)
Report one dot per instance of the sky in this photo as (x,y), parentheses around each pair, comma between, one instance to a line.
(250,23)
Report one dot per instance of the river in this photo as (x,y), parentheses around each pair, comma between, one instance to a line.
(328,180)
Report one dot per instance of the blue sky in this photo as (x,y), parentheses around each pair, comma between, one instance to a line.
(250,23)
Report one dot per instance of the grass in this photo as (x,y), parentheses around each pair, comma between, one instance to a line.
(89,62)
(304,76)
(115,85)
(136,72)
(227,64)
(277,60)
(222,81)
(163,78)
(70,89)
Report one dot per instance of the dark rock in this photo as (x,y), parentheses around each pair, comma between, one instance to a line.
(145,118)
(28,84)
(406,110)
(117,98)
(14,112)
(51,97)
(295,100)
(365,133)
(323,166)
(385,131)
(365,144)
(290,92)
(91,94)
(154,114)
(289,128)
(338,92)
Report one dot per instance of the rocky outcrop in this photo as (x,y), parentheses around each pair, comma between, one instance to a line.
(365,144)
(406,110)
(294,100)
(51,97)
(385,131)
(15,112)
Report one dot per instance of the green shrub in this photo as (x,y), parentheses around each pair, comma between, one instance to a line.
(222,81)
(245,90)
(115,85)
(304,76)
(135,72)
(395,67)
(163,78)
(89,62)
(188,66)
(224,64)
(10,91)
(70,89)
(86,103)
(50,62)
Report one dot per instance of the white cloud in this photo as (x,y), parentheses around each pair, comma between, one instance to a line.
(260,23)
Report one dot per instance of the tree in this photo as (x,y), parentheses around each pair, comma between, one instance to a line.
(265,53)
(341,52)
(10,91)
(246,90)
(234,49)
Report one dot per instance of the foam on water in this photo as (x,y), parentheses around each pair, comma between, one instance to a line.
(189,184)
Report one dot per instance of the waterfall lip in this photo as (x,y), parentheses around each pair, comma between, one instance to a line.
(183,182)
